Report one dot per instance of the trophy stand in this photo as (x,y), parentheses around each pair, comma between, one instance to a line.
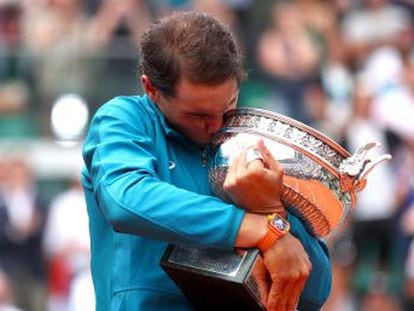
(213,279)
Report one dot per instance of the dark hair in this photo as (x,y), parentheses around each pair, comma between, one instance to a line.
(190,45)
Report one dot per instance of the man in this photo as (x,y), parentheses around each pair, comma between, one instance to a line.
(146,178)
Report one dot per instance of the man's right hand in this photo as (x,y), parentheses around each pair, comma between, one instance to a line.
(289,267)
(256,185)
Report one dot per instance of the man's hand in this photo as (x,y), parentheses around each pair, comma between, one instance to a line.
(262,279)
(256,185)
(289,267)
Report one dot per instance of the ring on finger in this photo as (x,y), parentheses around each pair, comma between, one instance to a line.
(252,155)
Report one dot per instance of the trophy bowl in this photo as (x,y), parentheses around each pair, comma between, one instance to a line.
(320,177)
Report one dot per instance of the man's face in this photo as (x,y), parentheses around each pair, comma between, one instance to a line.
(197,110)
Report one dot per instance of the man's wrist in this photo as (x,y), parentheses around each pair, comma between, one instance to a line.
(252,230)
(261,231)
(277,228)
(277,208)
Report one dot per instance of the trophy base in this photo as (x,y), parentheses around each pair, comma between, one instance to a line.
(213,278)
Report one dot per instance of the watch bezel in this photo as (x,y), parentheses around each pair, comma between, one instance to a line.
(274,218)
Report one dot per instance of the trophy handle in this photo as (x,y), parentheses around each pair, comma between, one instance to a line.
(355,169)
(316,204)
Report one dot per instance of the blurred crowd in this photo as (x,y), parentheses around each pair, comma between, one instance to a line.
(345,67)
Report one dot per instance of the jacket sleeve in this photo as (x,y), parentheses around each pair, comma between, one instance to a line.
(121,162)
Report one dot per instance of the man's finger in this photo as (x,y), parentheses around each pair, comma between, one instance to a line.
(233,171)
(262,280)
(275,295)
(238,164)
(241,163)
(268,158)
(253,159)
(287,295)
(292,293)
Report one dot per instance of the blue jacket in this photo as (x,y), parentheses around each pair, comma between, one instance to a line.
(146,186)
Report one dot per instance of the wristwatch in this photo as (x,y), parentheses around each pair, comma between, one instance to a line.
(277,227)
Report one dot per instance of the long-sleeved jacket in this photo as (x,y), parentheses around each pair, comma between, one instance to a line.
(146,185)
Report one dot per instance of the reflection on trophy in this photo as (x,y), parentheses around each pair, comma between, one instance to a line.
(319,186)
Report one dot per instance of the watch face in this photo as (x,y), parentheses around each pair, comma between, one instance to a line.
(280,223)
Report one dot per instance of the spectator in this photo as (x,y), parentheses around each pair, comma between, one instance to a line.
(66,245)
(373,215)
(375,24)
(290,58)
(22,218)
(73,42)
(405,230)
(16,76)
(394,104)
(5,295)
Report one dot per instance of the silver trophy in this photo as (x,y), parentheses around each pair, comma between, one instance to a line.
(320,184)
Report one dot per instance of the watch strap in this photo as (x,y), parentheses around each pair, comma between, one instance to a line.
(272,235)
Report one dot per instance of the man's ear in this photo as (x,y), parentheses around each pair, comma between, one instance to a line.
(149,89)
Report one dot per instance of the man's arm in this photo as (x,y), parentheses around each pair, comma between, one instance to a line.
(297,258)
(258,184)
(123,163)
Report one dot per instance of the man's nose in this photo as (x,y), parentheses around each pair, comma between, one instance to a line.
(213,124)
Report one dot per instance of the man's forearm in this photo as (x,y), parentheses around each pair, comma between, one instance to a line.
(252,229)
